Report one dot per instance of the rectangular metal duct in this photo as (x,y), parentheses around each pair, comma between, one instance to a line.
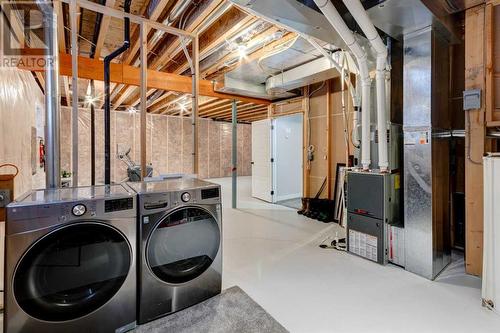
(397,18)
(426,153)
(315,71)
(236,86)
(295,16)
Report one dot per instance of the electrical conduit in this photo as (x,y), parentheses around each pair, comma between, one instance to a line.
(333,16)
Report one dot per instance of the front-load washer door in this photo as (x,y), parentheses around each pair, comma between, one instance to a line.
(72,271)
(183,245)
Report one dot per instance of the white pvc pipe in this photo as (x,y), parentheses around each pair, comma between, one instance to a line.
(339,25)
(358,12)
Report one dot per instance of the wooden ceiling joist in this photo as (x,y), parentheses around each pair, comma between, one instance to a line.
(232,21)
(129,75)
(252,57)
(212,110)
(61,33)
(228,109)
(170,51)
(259,38)
(155,14)
(103,30)
(256,109)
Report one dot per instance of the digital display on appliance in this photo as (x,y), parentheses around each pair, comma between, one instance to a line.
(210,193)
(118,204)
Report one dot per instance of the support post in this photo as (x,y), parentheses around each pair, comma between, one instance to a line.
(52,116)
(196,88)
(475,142)
(143,108)
(74,88)
(92,134)
(234,170)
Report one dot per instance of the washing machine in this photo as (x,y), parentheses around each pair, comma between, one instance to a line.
(70,261)
(180,245)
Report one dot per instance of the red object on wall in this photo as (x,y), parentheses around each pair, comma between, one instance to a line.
(41,148)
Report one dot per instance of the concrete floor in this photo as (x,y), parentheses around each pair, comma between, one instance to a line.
(272,253)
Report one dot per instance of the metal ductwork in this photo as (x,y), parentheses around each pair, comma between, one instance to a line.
(236,86)
(295,16)
(398,18)
(427,138)
(315,71)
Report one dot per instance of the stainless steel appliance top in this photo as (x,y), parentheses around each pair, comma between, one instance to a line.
(73,194)
(170,185)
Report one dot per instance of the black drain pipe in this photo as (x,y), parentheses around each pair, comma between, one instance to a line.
(107,102)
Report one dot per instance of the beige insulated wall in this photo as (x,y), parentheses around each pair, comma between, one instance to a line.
(169,145)
(20,101)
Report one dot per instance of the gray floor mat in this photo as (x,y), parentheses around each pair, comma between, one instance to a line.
(292,203)
(231,311)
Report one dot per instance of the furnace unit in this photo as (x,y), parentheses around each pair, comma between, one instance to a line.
(372,207)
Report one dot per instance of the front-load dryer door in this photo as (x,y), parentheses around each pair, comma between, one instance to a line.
(183,245)
(72,271)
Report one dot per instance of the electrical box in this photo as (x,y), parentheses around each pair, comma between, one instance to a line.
(472,99)
(373,205)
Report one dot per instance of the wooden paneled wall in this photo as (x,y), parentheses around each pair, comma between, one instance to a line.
(475,143)
(326,123)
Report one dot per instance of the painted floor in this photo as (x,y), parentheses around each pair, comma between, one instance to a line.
(272,253)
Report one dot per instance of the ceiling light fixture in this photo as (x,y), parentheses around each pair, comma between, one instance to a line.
(242,51)
(182,107)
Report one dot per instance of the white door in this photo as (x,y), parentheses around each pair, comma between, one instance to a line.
(261,160)
(287,155)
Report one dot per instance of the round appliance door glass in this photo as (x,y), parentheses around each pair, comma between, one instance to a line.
(72,271)
(183,245)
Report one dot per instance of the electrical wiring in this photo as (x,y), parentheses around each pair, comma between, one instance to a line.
(344,113)
(467,132)
(311,148)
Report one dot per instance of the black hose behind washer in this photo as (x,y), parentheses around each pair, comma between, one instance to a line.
(107,102)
